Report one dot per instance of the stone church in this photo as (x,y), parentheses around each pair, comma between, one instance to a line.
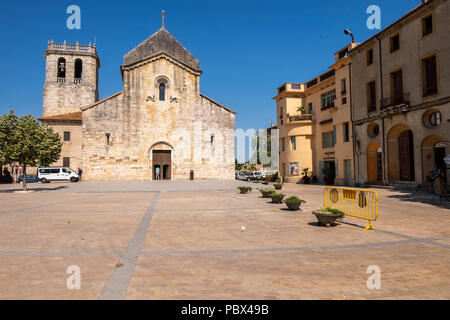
(158,127)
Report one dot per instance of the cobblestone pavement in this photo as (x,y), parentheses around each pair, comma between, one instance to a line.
(184,240)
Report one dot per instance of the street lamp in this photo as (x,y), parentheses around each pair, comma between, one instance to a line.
(349,32)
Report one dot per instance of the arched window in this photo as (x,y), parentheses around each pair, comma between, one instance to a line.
(78,70)
(162,91)
(61,68)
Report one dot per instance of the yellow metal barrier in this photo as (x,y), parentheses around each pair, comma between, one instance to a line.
(356,203)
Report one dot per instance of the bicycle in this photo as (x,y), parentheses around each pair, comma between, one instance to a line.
(439,186)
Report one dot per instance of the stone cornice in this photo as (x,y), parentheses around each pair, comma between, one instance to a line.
(412,108)
(161,55)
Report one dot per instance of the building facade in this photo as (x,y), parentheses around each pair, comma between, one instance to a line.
(158,127)
(400,81)
(318,136)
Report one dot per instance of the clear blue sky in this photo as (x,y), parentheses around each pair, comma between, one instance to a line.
(246,48)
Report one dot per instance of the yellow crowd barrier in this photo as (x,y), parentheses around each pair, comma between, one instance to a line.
(356,203)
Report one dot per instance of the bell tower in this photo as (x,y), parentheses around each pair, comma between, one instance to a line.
(71,77)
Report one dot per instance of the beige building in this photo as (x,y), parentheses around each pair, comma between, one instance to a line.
(400,82)
(158,126)
(319,135)
(69,128)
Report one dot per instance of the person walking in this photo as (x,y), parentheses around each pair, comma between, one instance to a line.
(80,173)
(157,173)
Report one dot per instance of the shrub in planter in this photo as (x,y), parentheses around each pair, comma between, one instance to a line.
(266,193)
(278,186)
(277,197)
(293,203)
(328,216)
(244,189)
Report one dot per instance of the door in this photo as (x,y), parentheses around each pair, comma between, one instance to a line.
(406,156)
(162,160)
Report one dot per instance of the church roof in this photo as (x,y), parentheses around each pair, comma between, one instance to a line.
(162,42)
(72,116)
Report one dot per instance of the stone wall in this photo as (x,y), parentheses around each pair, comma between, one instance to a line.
(138,123)
(69,96)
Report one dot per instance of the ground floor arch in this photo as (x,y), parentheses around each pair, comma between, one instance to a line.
(161,162)
(434,150)
(400,142)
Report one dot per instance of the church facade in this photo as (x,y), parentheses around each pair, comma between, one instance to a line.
(158,127)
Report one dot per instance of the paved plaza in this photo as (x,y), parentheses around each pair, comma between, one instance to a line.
(185,240)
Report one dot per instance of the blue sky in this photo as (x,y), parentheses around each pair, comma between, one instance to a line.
(246,48)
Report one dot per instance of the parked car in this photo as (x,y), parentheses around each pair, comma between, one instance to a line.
(46,175)
(241,176)
(256,175)
(29,178)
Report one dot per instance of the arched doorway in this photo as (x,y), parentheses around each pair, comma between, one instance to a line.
(161,161)
(406,155)
(434,151)
(400,153)
(374,164)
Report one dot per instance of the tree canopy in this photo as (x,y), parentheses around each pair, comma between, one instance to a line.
(24,140)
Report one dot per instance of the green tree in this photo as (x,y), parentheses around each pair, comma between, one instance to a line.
(28,143)
(8,124)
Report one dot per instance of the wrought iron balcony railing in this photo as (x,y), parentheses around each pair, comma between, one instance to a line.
(398,100)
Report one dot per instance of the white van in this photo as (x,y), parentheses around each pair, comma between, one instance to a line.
(46,175)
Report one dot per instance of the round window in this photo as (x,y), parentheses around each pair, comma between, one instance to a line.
(373,130)
(435,119)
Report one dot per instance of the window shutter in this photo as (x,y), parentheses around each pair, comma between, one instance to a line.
(334,135)
(336,166)
(321,166)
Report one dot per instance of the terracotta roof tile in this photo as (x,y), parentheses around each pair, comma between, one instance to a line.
(73,116)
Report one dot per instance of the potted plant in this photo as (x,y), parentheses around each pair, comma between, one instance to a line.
(244,189)
(278,186)
(293,203)
(301,109)
(306,176)
(328,216)
(277,197)
(266,192)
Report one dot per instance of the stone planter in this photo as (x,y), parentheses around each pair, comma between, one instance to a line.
(244,190)
(326,219)
(277,199)
(294,206)
(278,186)
(266,193)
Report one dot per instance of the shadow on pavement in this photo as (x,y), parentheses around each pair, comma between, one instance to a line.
(420,196)
(34,189)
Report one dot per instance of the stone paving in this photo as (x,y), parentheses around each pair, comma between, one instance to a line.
(184,240)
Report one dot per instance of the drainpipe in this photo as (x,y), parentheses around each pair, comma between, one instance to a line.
(385,180)
(353,125)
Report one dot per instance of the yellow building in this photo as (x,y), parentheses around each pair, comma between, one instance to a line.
(401,98)
(314,124)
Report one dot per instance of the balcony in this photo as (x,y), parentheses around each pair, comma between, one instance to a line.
(302,117)
(396,103)
(61,80)
(77,80)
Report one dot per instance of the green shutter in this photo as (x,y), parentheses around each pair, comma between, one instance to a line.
(321,166)
(336,166)
(334,135)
